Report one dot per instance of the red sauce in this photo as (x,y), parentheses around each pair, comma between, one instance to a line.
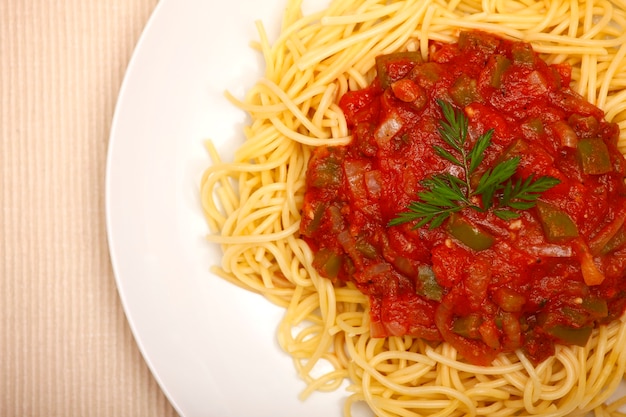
(536,282)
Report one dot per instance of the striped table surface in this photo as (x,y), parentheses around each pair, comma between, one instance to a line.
(65,345)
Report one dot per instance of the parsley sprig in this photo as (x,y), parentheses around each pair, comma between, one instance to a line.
(496,190)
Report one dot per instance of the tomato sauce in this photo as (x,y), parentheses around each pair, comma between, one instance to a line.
(482,283)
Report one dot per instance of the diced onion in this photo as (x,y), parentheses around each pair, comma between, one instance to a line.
(355,171)
(551,251)
(538,81)
(374,271)
(388,128)
(348,243)
(373,183)
(395,328)
(591,274)
(566,134)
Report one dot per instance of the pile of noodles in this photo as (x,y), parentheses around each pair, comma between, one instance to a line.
(252,204)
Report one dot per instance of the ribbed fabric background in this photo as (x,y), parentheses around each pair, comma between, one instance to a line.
(65,346)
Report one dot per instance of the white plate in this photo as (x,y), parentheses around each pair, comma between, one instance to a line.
(211,346)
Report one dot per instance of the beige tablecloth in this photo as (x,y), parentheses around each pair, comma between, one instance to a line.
(65,345)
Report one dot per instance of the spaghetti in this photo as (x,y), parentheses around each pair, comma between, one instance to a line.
(253,203)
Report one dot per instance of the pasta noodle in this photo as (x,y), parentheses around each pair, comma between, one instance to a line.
(252,204)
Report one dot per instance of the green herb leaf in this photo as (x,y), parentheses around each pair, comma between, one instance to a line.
(497,175)
(523,195)
(446,155)
(445,193)
(505,214)
(454,130)
(477,153)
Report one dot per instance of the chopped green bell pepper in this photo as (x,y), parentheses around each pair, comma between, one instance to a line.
(468,234)
(508,299)
(326,173)
(557,225)
(430,287)
(533,126)
(571,335)
(366,249)
(617,241)
(428,71)
(327,261)
(464,90)
(478,40)
(468,326)
(593,156)
(574,316)
(597,307)
(502,63)
(523,53)
(316,222)
(383,62)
